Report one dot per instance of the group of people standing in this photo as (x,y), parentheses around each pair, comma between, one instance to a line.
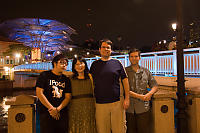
(107,98)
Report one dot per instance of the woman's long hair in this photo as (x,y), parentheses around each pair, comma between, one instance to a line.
(86,71)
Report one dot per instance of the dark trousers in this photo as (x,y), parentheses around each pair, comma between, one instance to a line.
(139,123)
(50,125)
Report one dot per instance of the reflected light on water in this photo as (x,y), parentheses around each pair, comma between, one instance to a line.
(5,107)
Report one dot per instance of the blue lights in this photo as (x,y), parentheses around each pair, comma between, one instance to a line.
(35,32)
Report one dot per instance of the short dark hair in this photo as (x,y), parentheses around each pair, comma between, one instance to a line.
(134,50)
(57,58)
(86,71)
(105,40)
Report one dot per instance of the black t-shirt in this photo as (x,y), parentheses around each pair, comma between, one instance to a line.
(55,87)
(106,75)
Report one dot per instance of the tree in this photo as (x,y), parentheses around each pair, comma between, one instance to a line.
(17,48)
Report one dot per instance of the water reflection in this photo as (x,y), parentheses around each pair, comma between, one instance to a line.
(4,114)
(5,107)
(22,83)
(7,73)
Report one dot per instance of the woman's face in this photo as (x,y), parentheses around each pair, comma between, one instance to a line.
(79,66)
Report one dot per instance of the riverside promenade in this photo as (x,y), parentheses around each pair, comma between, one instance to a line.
(162,64)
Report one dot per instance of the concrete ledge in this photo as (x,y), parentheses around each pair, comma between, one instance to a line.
(171,81)
(194,91)
(165,94)
(21,100)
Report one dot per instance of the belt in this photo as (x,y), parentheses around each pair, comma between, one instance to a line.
(83,96)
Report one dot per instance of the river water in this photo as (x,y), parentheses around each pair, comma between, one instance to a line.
(23,83)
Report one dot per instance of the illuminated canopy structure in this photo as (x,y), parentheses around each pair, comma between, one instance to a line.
(48,35)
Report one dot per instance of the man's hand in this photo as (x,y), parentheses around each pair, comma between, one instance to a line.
(126,103)
(147,97)
(54,113)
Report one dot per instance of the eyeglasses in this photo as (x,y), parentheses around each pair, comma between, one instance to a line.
(63,63)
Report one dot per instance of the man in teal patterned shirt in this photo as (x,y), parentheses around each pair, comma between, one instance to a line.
(138,113)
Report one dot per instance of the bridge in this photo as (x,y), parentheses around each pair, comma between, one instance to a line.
(159,63)
(163,65)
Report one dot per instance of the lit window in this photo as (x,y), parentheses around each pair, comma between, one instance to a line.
(7,61)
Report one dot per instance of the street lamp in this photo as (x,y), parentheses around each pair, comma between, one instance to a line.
(181,103)
(70,49)
(174,25)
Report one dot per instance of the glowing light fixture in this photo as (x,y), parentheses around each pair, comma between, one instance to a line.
(174,25)
(6,69)
(17,55)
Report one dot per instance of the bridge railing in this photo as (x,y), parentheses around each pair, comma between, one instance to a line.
(162,62)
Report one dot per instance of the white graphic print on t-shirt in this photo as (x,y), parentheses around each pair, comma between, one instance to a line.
(56,91)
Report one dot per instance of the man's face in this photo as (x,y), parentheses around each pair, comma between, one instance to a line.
(61,65)
(134,58)
(105,49)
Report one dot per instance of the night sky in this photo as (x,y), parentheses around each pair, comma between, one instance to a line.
(139,22)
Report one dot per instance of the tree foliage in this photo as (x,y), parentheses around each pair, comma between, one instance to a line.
(17,48)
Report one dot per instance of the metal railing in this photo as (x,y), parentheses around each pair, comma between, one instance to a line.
(162,62)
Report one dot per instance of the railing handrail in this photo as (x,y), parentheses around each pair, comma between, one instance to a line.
(160,62)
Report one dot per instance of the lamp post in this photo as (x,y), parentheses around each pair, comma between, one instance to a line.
(174,26)
(181,103)
(172,44)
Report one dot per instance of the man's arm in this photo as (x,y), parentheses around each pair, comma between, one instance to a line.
(64,102)
(145,97)
(55,112)
(153,85)
(42,98)
(52,110)
(126,90)
(148,96)
(136,95)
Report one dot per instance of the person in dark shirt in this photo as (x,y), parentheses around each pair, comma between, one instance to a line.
(54,91)
(110,105)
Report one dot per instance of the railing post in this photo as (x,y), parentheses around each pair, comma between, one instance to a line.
(90,61)
(126,60)
(198,64)
(155,65)
(174,62)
